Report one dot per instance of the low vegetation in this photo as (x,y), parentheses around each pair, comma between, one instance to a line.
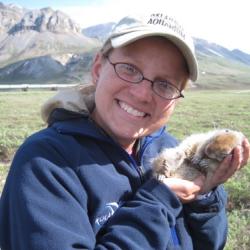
(220,73)
(198,111)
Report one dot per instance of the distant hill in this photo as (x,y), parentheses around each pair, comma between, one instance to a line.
(100,31)
(41,46)
(220,67)
(31,33)
(33,39)
(204,47)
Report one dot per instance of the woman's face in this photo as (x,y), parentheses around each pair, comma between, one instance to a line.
(129,111)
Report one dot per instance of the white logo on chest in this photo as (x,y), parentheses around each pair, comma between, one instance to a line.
(108,211)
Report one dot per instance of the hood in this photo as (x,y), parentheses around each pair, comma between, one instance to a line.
(73,123)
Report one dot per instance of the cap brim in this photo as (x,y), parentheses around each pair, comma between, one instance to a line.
(127,38)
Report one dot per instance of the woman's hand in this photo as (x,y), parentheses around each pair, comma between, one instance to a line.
(228,167)
(185,190)
(188,190)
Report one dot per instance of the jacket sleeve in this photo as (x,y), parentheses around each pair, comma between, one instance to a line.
(207,220)
(42,207)
(145,222)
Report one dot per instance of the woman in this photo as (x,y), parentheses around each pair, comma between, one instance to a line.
(85,182)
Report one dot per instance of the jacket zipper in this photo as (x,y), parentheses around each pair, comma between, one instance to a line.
(141,172)
(138,168)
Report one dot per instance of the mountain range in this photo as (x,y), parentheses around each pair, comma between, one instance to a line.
(47,46)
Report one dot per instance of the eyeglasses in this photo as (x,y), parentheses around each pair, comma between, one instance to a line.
(130,73)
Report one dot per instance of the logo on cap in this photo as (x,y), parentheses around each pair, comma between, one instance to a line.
(167,21)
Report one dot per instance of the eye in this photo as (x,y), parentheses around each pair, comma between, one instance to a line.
(127,69)
(164,85)
(166,89)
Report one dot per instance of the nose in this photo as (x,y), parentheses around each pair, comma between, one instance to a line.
(142,91)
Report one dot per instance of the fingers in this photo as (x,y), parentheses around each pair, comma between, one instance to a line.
(226,169)
(237,160)
(245,153)
(199,182)
(194,189)
(229,166)
(232,163)
(185,190)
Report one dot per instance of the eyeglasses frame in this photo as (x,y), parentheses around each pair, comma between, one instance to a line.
(143,78)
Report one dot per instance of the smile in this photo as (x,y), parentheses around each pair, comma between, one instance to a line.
(131,110)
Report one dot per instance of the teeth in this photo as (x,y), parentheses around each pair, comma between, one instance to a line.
(130,110)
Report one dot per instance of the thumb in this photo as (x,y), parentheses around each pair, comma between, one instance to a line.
(199,182)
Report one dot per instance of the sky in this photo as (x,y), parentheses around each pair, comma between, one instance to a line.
(225,22)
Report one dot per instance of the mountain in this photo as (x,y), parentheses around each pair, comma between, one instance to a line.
(44,20)
(26,34)
(100,31)
(67,68)
(211,49)
(9,16)
(47,46)
(221,67)
(32,69)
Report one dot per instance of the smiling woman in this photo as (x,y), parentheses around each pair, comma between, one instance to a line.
(95,161)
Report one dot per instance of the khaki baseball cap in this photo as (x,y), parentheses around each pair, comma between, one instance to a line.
(132,28)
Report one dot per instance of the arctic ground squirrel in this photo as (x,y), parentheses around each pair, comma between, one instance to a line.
(197,154)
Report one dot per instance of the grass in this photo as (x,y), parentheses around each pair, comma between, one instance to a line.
(198,111)
(205,110)
(19,118)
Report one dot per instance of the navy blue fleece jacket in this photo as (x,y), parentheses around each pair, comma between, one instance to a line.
(72,187)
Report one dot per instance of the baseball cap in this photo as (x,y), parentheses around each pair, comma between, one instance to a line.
(132,28)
